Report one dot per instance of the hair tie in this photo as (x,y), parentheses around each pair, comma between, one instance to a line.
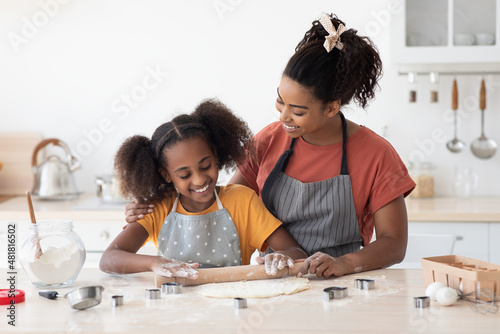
(333,38)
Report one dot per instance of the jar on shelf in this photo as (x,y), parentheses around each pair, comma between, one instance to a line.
(423,175)
(52,254)
(434,86)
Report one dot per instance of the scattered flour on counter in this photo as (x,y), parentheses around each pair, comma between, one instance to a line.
(56,265)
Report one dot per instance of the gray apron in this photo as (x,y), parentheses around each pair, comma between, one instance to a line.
(320,216)
(211,239)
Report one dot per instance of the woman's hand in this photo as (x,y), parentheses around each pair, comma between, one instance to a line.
(135,211)
(174,268)
(323,265)
(274,262)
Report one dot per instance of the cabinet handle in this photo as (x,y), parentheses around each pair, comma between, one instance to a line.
(459,238)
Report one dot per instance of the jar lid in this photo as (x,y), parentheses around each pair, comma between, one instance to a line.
(6,296)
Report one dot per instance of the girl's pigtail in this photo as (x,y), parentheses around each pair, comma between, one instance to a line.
(230,134)
(137,169)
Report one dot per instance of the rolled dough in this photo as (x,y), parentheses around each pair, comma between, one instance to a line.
(254,289)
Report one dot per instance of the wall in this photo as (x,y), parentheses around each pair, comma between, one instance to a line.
(95,72)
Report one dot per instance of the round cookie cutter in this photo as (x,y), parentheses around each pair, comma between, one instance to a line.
(364,284)
(116,300)
(153,294)
(240,303)
(421,302)
(171,288)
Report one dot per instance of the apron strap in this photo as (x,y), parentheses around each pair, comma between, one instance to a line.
(219,203)
(343,165)
(283,162)
(174,207)
(279,167)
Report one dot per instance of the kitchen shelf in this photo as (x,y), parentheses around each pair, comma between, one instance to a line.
(427,31)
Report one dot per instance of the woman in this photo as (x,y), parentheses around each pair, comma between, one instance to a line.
(329,180)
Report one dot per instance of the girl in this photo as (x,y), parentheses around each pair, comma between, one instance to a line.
(329,180)
(194,222)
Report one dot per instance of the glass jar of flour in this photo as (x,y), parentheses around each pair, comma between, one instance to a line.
(52,254)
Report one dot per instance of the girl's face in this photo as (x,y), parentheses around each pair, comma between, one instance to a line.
(301,113)
(192,167)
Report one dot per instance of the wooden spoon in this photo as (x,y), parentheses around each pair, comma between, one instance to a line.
(38,251)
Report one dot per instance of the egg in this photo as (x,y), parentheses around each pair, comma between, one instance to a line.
(433,288)
(446,296)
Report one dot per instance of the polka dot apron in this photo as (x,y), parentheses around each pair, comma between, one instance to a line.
(211,239)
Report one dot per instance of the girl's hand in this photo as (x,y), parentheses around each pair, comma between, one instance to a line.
(274,262)
(174,268)
(323,265)
(135,211)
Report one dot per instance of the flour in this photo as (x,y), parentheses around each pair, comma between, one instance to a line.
(56,265)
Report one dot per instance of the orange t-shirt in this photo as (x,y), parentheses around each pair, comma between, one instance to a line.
(252,220)
(377,173)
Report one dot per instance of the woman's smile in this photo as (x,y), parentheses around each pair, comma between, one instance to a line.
(289,128)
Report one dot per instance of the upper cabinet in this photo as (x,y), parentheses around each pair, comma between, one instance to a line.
(446,31)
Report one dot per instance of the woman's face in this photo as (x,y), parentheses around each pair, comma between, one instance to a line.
(192,167)
(300,112)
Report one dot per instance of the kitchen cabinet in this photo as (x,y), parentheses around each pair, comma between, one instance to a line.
(471,239)
(446,32)
(494,241)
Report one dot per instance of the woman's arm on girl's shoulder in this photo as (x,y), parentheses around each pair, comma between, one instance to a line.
(135,211)
(239,179)
(121,258)
(391,226)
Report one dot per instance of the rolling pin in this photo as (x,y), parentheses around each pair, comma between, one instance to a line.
(230,274)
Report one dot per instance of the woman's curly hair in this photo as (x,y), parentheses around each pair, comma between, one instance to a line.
(352,72)
(139,159)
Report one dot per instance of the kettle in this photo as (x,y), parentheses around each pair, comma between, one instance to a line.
(53,177)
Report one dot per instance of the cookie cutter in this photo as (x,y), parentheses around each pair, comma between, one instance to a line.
(334,292)
(171,288)
(116,300)
(240,302)
(421,302)
(153,294)
(364,284)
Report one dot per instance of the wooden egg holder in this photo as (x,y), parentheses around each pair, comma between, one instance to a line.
(464,274)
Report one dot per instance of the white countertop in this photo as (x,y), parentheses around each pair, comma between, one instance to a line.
(85,207)
(389,308)
(450,209)
(88,207)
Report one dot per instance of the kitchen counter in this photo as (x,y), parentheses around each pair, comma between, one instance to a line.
(87,207)
(386,309)
(451,209)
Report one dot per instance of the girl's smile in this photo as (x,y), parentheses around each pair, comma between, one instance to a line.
(192,167)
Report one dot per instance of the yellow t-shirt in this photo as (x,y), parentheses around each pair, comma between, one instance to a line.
(251,218)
